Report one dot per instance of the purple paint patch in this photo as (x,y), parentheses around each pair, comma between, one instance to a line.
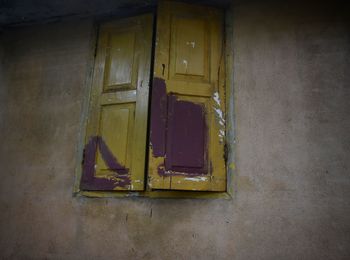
(89,181)
(110,159)
(158,117)
(178,133)
(186,137)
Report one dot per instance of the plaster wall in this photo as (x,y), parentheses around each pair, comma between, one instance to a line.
(292,127)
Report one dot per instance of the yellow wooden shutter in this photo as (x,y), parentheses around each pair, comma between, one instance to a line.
(187,134)
(114,156)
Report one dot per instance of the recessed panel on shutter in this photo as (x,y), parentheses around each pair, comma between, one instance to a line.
(187,132)
(114,155)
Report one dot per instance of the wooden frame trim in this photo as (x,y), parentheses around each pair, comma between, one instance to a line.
(85,107)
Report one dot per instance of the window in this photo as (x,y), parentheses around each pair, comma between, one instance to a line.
(185,104)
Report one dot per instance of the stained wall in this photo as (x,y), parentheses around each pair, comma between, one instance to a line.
(292,148)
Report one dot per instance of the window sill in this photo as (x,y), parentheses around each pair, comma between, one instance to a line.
(156,194)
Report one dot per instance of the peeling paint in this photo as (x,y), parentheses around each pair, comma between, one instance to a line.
(219,115)
(198,179)
(216,98)
(163,172)
(185,63)
(193,44)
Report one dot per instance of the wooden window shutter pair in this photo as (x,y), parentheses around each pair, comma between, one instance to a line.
(187,109)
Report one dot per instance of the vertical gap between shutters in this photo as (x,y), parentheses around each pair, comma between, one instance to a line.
(154,35)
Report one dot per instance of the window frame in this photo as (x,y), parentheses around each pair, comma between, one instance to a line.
(230,125)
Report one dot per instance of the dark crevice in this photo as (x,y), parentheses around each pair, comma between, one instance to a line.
(150,95)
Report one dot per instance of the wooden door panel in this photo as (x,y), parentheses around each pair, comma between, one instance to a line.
(109,98)
(121,60)
(117,125)
(188,114)
(190,46)
(189,53)
(186,137)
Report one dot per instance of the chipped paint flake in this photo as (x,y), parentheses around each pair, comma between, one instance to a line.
(185,62)
(216,98)
(197,179)
(217,109)
(222,132)
(219,115)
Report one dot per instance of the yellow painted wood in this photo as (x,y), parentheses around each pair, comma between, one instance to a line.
(119,97)
(189,56)
(121,61)
(190,88)
(158,194)
(116,122)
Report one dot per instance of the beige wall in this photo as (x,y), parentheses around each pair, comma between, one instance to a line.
(292,200)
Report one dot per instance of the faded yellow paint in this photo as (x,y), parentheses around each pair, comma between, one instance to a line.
(119,99)
(154,163)
(157,194)
(190,58)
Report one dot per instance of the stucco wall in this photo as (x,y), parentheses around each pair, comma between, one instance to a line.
(292,195)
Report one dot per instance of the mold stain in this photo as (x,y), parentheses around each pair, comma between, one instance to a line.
(89,181)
